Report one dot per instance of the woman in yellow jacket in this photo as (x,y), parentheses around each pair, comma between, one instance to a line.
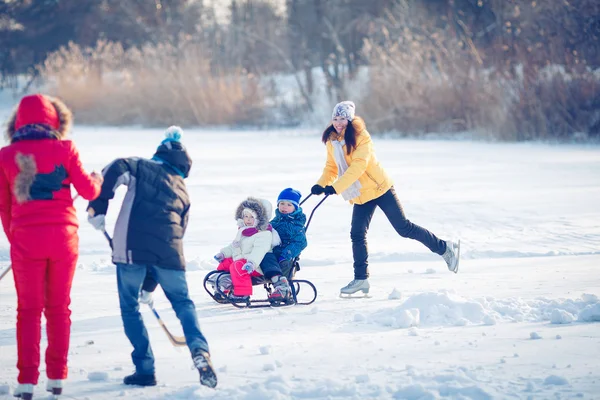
(352,170)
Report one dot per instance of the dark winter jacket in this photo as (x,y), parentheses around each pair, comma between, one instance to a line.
(154,214)
(290,228)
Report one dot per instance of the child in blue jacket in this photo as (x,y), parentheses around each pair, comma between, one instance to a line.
(289,223)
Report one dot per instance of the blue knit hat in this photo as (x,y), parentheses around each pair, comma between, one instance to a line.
(173,153)
(291,195)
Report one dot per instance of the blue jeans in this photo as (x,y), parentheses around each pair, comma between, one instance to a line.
(129,282)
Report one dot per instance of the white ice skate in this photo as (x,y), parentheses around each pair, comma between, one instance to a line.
(356,285)
(452,255)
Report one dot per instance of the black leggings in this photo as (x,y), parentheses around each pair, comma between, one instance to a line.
(391,207)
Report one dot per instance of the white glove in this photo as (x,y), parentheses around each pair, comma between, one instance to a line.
(145,297)
(98,222)
(219,257)
(249,267)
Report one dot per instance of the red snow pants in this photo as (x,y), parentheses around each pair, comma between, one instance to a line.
(241,280)
(43,262)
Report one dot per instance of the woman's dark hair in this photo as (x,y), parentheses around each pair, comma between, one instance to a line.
(349,136)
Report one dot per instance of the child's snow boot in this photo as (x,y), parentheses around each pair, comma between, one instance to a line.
(238,299)
(282,293)
(204,365)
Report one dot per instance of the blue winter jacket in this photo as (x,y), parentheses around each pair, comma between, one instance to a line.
(290,228)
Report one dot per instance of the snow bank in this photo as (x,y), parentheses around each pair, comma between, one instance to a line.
(450,309)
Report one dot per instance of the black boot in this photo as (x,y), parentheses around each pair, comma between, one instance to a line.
(140,379)
(207,373)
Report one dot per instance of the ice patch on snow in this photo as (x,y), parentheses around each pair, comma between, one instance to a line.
(398,318)
(534,336)
(414,392)
(98,376)
(589,298)
(591,313)
(395,295)
(561,317)
(327,388)
(556,380)
(269,367)
(264,350)
(359,318)
(471,392)
(4,389)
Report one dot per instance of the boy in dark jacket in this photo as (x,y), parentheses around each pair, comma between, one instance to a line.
(148,241)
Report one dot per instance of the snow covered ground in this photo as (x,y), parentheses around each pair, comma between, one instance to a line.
(520,320)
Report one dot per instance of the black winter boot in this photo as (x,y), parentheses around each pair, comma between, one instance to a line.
(140,379)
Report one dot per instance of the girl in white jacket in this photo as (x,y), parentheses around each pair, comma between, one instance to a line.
(253,240)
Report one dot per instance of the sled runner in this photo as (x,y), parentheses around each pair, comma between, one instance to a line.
(213,278)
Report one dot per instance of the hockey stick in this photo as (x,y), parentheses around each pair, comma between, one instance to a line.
(176,341)
(5,272)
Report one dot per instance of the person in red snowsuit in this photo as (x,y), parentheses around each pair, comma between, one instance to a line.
(37,170)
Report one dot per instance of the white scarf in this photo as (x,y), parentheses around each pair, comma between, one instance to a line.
(354,190)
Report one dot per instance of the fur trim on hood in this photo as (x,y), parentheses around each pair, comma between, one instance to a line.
(65,117)
(258,207)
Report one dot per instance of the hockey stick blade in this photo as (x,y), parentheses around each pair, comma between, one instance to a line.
(176,341)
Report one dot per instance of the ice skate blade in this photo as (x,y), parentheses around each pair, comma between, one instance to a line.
(355,295)
(457,258)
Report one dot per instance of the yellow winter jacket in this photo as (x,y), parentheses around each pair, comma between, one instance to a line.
(362,166)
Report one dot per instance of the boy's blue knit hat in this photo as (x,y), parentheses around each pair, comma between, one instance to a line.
(291,195)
